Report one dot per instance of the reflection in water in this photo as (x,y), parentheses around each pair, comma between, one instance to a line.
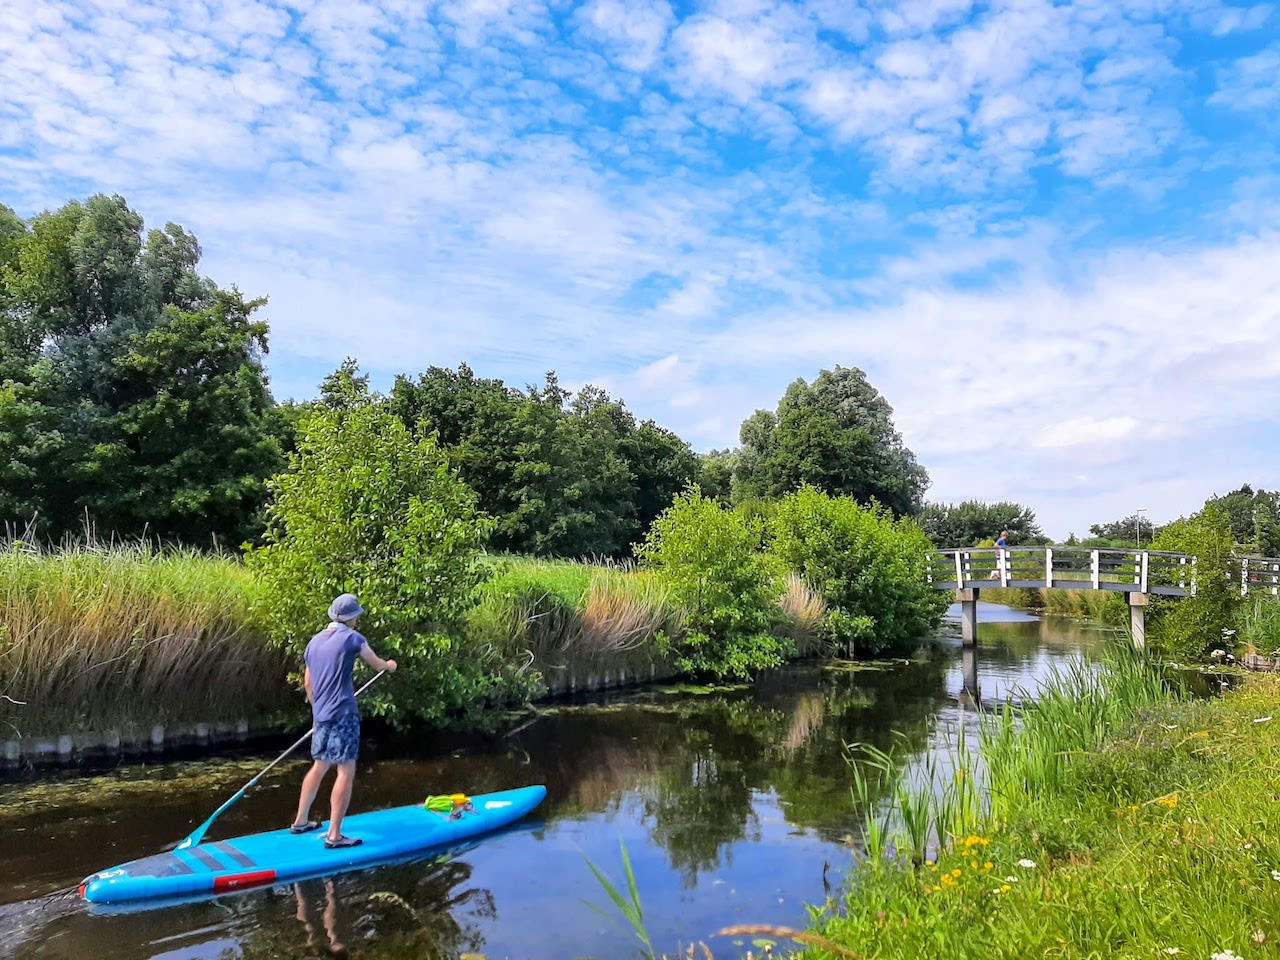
(331,945)
(734,807)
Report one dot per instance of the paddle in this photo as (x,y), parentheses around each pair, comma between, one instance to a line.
(198,833)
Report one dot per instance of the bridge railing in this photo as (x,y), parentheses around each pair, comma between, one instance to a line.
(1081,568)
(1260,574)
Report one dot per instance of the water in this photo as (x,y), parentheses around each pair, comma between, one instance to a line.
(733,805)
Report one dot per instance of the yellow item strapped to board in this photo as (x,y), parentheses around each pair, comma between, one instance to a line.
(447,802)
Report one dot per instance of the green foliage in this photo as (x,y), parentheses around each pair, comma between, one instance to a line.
(185,446)
(708,556)
(563,475)
(131,389)
(1253,518)
(369,509)
(973,522)
(869,568)
(1189,628)
(836,434)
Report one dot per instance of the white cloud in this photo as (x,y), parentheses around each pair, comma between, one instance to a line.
(1251,83)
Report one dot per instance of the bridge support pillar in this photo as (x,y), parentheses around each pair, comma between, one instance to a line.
(1138,618)
(968,598)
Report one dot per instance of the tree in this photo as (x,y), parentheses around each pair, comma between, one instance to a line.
(1189,628)
(708,556)
(1132,529)
(184,442)
(869,568)
(562,474)
(972,522)
(131,388)
(368,508)
(715,474)
(1252,516)
(836,434)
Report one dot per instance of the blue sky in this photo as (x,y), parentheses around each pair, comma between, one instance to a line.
(1047,231)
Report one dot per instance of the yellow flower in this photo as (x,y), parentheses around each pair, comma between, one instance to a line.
(973,864)
(1170,801)
(988,865)
(956,872)
(1005,888)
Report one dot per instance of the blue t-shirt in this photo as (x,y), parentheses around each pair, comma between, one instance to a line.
(331,656)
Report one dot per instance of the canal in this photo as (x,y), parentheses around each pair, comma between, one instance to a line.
(733,805)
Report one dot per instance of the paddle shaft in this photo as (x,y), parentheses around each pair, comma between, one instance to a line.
(198,833)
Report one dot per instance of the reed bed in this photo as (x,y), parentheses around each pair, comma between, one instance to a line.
(578,619)
(96,637)
(1100,605)
(805,612)
(1259,625)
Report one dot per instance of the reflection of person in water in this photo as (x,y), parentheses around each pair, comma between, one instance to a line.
(329,918)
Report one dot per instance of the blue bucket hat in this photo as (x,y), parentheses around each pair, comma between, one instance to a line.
(345,607)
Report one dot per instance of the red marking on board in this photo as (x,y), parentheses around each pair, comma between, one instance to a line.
(234,881)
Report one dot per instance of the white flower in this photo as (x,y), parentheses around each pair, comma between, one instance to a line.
(1218,654)
(1172,951)
(1226,955)
(1228,633)
(1010,879)
(1030,864)
(1275,875)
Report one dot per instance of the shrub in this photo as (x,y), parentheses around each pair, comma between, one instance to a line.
(1188,628)
(867,567)
(368,509)
(707,556)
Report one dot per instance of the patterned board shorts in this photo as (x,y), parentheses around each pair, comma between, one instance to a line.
(337,740)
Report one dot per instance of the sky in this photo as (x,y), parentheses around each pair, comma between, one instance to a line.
(1046,231)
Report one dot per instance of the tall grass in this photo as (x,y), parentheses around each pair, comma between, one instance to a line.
(104,636)
(1021,755)
(577,618)
(1259,625)
(1104,606)
(805,611)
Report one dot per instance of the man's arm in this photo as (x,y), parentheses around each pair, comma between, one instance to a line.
(375,661)
(306,683)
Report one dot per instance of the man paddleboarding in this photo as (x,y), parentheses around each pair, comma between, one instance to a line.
(335,739)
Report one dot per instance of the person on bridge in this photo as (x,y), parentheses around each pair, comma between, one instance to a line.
(1002,543)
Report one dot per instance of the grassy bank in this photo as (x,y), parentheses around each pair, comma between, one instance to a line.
(97,637)
(1112,820)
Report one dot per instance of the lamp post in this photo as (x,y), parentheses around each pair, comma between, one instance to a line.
(1137,523)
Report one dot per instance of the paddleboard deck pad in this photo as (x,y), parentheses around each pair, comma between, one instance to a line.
(258,859)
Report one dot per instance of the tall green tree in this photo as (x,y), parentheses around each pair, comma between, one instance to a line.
(368,508)
(1252,516)
(1133,529)
(562,474)
(836,434)
(185,442)
(132,390)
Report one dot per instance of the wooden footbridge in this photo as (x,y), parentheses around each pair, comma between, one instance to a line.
(1138,574)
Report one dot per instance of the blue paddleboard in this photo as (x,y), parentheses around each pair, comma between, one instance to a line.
(222,866)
